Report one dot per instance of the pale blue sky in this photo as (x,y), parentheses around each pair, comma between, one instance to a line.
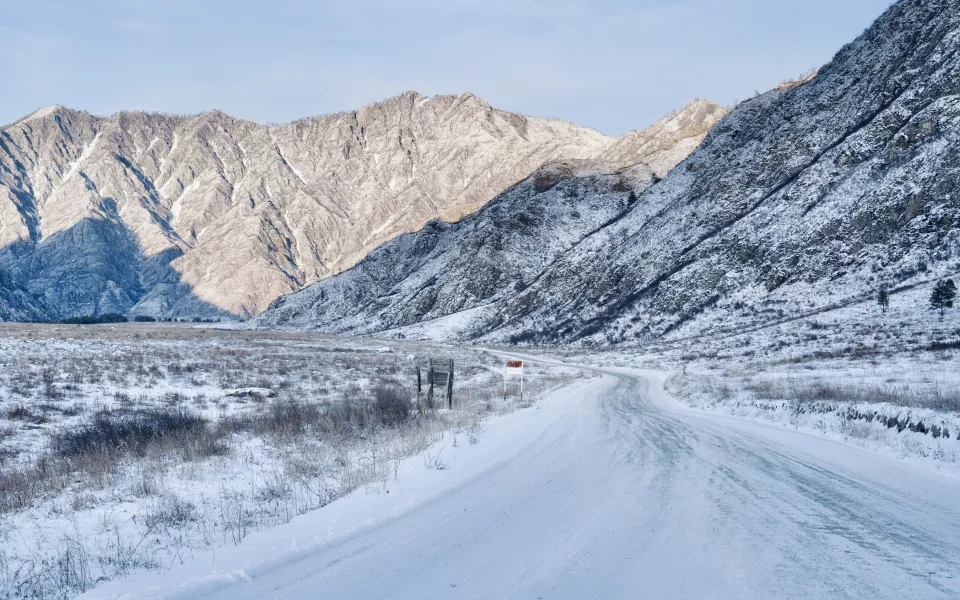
(614,65)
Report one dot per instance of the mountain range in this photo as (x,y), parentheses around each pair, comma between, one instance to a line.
(813,195)
(213,216)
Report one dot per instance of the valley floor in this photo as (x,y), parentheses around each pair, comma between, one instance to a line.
(610,489)
(149,461)
(133,448)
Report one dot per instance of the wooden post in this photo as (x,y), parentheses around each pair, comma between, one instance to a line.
(450,385)
(419,389)
(430,376)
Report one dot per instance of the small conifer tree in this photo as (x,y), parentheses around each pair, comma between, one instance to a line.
(943,295)
(883,299)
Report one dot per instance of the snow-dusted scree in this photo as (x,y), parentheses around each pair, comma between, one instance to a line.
(135,447)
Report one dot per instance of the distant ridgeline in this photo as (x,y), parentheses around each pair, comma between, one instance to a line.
(213,217)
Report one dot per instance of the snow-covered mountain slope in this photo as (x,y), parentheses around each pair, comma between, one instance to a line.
(465,268)
(179,216)
(802,198)
(666,143)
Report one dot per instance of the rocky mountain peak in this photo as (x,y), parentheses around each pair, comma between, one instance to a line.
(667,142)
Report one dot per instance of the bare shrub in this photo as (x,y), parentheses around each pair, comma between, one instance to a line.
(18,487)
(944,398)
(236,515)
(138,432)
(283,419)
(22,413)
(391,405)
(433,461)
(356,412)
(170,511)
(858,429)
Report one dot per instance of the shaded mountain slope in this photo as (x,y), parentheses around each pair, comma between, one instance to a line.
(16,303)
(802,197)
(485,259)
(799,198)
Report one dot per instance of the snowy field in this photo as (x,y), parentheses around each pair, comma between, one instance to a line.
(885,381)
(608,489)
(133,448)
(132,451)
(910,410)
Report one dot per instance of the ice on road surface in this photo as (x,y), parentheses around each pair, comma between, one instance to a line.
(613,492)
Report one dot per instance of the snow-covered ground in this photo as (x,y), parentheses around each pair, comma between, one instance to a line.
(609,489)
(845,329)
(134,448)
(704,469)
(887,381)
(909,410)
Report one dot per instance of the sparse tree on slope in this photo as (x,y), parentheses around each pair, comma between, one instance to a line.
(883,299)
(943,295)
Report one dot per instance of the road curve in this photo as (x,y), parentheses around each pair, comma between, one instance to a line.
(627,498)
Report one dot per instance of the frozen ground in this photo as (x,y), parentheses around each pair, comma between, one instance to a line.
(134,448)
(884,381)
(795,460)
(611,489)
(907,409)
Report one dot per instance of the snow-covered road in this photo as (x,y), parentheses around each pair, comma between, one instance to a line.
(625,495)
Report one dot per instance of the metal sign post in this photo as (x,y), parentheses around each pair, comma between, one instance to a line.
(513,368)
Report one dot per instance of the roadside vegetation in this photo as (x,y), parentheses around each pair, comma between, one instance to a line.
(912,410)
(135,446)
(879,373)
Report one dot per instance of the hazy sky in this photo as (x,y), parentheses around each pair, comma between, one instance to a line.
(615,65)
